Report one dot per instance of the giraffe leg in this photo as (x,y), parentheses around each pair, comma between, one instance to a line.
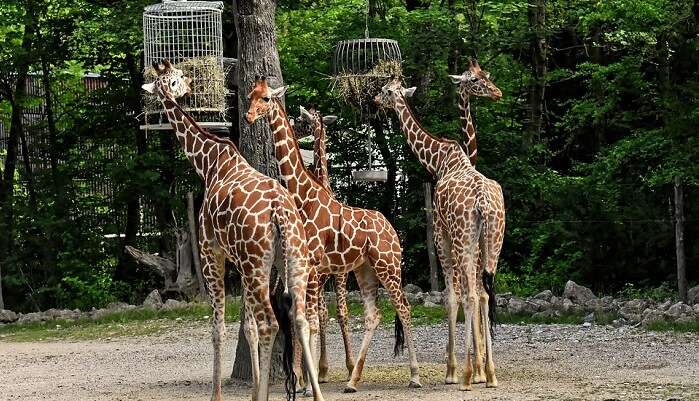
(213,272)
(478,346)
(322,327)
(465,258)
(397,296)
(251,335)
(369,285)
(443,245)
(491,380)
(267,328)
(298,362)
(343,319)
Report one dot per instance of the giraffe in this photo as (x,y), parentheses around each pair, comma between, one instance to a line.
(340,238)
(476,82)
(463,204)
(251,220)
(310,122)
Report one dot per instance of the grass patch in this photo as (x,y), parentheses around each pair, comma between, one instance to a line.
(686,327)
(130,323)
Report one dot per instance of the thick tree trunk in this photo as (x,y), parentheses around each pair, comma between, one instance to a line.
(257,56)
(679,240)
(537,88)
(434,277)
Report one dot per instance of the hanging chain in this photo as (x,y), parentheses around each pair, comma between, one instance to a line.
(366,21)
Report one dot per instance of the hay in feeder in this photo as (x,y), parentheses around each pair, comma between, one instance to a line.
(360,89)
(208,86)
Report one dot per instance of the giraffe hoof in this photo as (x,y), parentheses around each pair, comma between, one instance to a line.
(492,384)
(465,387)
(478,379)
(414,384)
(349,389)
(450,380)
(308,393)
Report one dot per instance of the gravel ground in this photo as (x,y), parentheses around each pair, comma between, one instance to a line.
(554,362)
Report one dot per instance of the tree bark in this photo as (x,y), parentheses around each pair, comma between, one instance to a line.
(195,244)
(429,215)
(537,88)
(679,240)
(257,56)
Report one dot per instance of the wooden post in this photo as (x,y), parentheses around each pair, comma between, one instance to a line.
(679,240)
(434,280)
(196,262)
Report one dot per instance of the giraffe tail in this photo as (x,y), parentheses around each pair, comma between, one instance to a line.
(488,276)
(282,303)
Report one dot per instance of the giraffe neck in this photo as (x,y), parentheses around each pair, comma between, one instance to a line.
(468,128)
(201,148)
(287,152)
(430,151)
(320,157)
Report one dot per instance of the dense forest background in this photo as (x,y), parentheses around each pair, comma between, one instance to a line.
(597,122)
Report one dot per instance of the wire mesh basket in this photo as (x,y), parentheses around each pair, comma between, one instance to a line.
(360,56)
(190,35)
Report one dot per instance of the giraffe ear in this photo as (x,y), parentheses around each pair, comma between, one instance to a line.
(327,120)
(305,113)
(279,92)
(150,88)
(455,79)
(409,92)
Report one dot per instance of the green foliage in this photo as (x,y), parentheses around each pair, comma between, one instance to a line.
(660,293)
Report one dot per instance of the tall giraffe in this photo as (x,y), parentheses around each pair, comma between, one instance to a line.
(463,204)
(251,220)
(310,122)
(340,238)
(476,82)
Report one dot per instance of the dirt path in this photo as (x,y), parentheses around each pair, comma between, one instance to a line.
(534,363)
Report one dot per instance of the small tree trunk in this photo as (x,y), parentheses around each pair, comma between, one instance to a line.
(537,88)
(679,240)
(429,214)
(195,244)
(2,300)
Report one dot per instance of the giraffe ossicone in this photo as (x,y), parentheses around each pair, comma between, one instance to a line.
(251,220)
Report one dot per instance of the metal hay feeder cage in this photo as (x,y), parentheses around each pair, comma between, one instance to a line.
(360,68)
(190,35)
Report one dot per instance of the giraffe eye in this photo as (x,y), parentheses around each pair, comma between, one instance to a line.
(266,98)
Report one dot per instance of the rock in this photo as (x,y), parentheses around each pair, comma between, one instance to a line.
(354,296)
(430,304)
(593,305)
(539,304)
(547,314)
(119,306)
(171,304)
(33,317)
(685,319)
(651,316)
(665,305)
(519,306)
(678,310)
(607,301)
(62,314)
(434,297)
(577,293)
(330,297)
(693,295)
(696,309)
(412,289)
(382,293)
(619,322)
(501,301)
(633,310)
(414,298)
(586,324)
(563,305)
(8,316)
(544,295)
(590,317)
(153,300)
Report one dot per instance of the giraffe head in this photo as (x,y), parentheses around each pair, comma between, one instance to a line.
(476,82)
(261,98)
(391,93)
(310,122)
(170,82)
